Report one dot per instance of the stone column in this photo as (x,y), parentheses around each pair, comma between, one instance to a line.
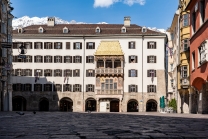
(113,63)
(97,101)
(120,105)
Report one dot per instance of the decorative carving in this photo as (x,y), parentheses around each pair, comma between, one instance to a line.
(98,81)
(120,82)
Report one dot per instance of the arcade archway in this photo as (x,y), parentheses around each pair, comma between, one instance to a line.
(66,104)
(151,105)
(18,103)
(43,104)
(90,104)
(132,106)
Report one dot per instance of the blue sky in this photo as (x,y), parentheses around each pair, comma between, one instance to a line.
(150,13)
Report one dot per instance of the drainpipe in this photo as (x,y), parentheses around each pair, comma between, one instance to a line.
(142,76)
(83,74)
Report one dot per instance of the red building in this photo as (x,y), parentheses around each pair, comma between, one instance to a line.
(199,55)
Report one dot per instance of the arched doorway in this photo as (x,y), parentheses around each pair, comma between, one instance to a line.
(151,106)
(44,104)
(114,105)
(66,104)
(132,106)
(90,104)
(18,103)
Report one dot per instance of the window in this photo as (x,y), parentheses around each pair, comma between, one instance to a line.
(77,59)
(132,88)
(28,59)
(151,73)
(38,59)
(19,72)
(16,45)
(90,73)
(28,45)
(117,64)
(47,72)
(27,87)
(65,30)
(184,71)
(47,87)
(57,73)
(77,45)
(171,67)
(202,11)
(40,30)
(193,22)
(132,45)
(17,87)
(151,59)
(100,64)
(132,73)
(89,59)
(203,52)
(144,29)
(185,44)
(185,20)
(38,45)
(57,59)
(90,45)
(48,45)
(37,87)
(109,84)
(151,88)
(28,72)
(132,59)
(38,72)
(89,88)
(76,73)
(47,59)
(193,60)
(67,73)
(172,81)
(57,45)
(123,29)
(67,45)
(17,59)
(77,88)
(57,87)
(67,87)
(67,59)
(97,30)
(20,30)
(151,45)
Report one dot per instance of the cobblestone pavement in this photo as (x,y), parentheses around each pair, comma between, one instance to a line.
(67,125)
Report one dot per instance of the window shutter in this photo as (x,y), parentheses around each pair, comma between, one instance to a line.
(74,45)
(30,72)
(136,60)
(129,59)
(129,73)
(23,72)
(155,59)
(86,88)
(87,59)
(80,88)
(155,89)
(136,88)
(41,59)
(129,88)
(45,45)
(93,45)
(129,45)
(30,59)
(73,59)
(147,59)
(73,88)
(80,45)
(55,45)
(93,59)
(35,46)
(61,46)
(41,44)
(51,59)
(147,88)
(155,45)
(64,87)
(93,88)
(16,72)
(54,74)
(70,59)
(70,73)
(87,45)
(136,73)
(78,73)
(86,73)
(155,73)
(35,58)
(148,73)
(61,73)
(61,58)
(134,45)
(148,45)
(44,59)
(74,73)
(64,59)
(54,59)
(67,45)
(80,57)
(93,73)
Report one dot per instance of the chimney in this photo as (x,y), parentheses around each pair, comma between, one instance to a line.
(127,21)
(51,21)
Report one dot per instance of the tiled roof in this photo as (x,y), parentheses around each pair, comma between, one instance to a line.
(87,29)
(109,48)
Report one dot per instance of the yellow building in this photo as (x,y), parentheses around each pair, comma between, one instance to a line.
(183,85)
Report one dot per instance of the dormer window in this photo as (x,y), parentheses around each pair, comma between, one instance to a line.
(123,29)
(144,29)
(20,30)
(97,30)
(65,30)
(40,30)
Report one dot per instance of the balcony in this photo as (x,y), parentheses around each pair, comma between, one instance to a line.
(109,92)
(110,71)
(184,82)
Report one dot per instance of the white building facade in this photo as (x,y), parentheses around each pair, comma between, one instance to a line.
(96,67)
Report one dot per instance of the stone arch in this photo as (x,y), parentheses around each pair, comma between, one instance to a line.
(90,104)
(66,104)
(114,105)
(151,105)
(132,105)
(19,103)
(43,104)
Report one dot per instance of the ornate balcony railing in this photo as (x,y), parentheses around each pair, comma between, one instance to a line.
(109,92)
(109,71)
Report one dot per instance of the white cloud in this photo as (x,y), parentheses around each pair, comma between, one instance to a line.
(104,3)
(107,3)
(131,2)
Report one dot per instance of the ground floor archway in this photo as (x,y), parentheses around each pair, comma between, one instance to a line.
(66,104)
(43,104)
(114,105)
(151,105)
(90,104)
(18,103)
(132,106)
